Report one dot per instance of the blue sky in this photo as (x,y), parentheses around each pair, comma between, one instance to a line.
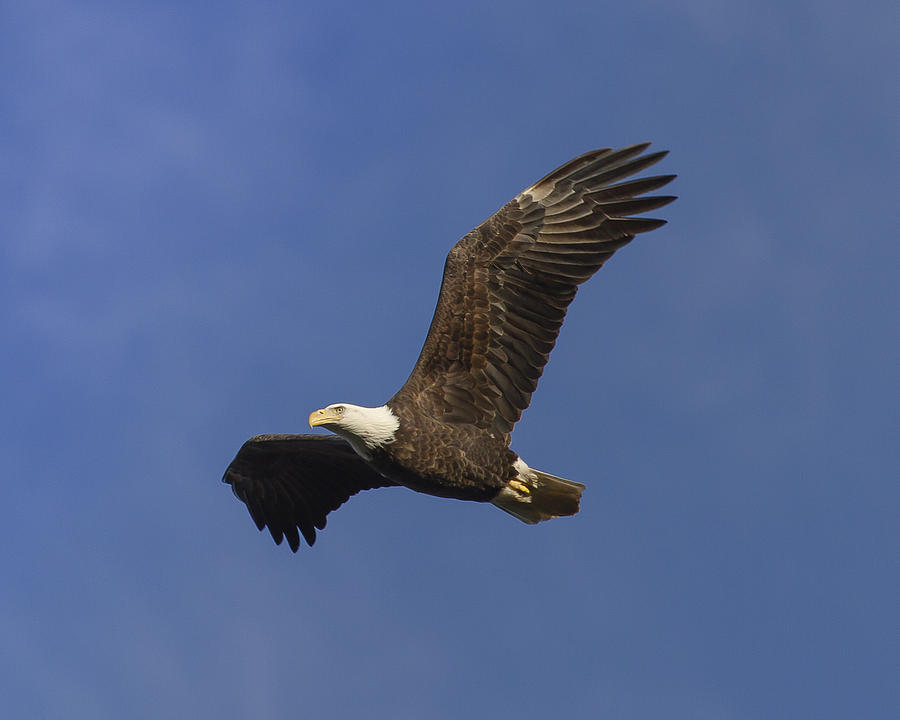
(218,218)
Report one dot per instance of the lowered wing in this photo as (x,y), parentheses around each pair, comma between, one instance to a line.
(291,482)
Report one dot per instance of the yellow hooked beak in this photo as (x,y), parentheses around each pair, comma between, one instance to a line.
(323,417)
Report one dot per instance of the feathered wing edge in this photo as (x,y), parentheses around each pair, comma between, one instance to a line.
(291,482)
(508,283)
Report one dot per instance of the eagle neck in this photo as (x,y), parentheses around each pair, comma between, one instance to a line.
(369,429)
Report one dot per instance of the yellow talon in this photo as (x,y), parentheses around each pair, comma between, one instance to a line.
(520,487)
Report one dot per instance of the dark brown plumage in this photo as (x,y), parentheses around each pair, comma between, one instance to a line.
(505,291)
(292,482)
(507,285)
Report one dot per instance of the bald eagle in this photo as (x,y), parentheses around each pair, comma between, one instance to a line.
(446,432)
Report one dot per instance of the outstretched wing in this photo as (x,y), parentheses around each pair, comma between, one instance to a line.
(507,285)
(291,482)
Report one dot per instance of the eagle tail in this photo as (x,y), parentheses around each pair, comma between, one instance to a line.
(533,496)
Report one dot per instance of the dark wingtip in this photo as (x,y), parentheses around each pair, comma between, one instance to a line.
(654,157)
(652,224)
(635,147)
(309,534)
(666,199)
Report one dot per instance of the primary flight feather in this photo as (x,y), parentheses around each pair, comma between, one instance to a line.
(446,432)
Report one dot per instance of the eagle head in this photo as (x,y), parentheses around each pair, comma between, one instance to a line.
(373,427)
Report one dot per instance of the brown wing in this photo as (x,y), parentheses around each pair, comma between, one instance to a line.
(291,482)
(508,283)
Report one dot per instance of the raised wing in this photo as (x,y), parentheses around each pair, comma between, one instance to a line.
(291,482)
(507,285)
